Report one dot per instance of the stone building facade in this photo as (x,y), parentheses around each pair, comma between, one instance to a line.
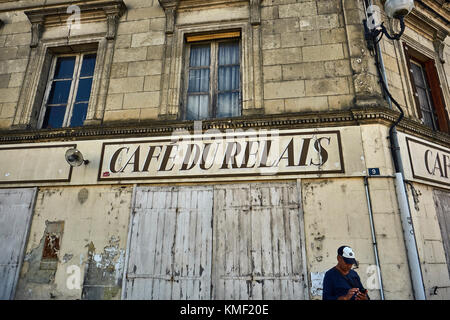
(232,147)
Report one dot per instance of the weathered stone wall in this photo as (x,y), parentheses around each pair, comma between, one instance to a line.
(305,57)
(313,58)
(92,233)
(135,86)
(15,40)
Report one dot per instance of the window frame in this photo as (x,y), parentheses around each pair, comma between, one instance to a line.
(433,83)
(420,109)
(76,77)
(213,40)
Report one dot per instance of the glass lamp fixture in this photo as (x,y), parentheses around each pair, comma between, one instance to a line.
(398,8)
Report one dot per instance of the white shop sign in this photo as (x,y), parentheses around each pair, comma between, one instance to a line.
(223,155)
(429,162)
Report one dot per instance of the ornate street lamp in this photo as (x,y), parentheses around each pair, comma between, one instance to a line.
(396,9)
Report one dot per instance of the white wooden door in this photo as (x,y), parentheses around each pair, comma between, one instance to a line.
(442,202)
(15,214)
(171,239)
(249,248)
(257,244)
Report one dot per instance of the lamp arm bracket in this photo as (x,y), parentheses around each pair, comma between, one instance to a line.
(395,36)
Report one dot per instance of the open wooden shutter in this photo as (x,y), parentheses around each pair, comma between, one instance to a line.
(436,94)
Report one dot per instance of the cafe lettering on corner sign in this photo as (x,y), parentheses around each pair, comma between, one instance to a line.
(223,155)
(430,163)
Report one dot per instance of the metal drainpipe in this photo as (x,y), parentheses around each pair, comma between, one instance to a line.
(374,239)
(405,214)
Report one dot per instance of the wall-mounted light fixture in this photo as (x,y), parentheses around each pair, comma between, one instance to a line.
(75,158)
(373,27)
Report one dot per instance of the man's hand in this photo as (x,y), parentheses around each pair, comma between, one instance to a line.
(361,295)
(349,294)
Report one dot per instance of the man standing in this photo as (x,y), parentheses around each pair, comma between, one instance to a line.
(341,282)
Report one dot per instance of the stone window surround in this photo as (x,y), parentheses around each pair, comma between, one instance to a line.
(432,56)
(76,51)
(43,51)
(438,39)
(246,66)
(251,65)
(213,75)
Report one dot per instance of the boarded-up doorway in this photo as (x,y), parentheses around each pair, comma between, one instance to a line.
(171,240)
(239,241)
(257,246)
(16,206)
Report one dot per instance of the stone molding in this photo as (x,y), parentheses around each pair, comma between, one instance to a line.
(435,31)
(109,11)
(352,117)
(170,9)
(255,12)
(171,6)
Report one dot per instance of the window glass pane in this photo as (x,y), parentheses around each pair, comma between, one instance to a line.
(199,80)
(228,53)
(78,114)
(197,107)
(229,78)
(54,117)
(427,118)
(423,100)
(64,68)
(200,56)
(228,105)
(60,92)
(84,90)
(88,66)
(417,74)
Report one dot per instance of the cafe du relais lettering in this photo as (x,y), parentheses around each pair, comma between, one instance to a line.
(223,155)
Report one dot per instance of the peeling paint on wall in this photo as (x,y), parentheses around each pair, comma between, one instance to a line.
(317,284)
(40,263)
(103,276)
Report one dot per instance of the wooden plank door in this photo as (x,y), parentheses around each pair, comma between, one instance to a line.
(171,239)
(442,201)
(257,244)
(16,206)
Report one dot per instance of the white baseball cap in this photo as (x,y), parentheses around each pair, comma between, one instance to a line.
(347,253)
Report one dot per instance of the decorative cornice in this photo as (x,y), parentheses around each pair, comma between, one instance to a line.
(359,116)
(170,9)
(48,16)
(437,28)
(171,6)
(255,12)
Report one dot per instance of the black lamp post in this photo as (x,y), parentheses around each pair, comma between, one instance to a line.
(374,31)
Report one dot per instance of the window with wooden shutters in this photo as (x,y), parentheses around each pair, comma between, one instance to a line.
(212,76)
(427,91)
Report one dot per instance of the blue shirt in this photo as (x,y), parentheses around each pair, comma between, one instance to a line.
(335,284)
